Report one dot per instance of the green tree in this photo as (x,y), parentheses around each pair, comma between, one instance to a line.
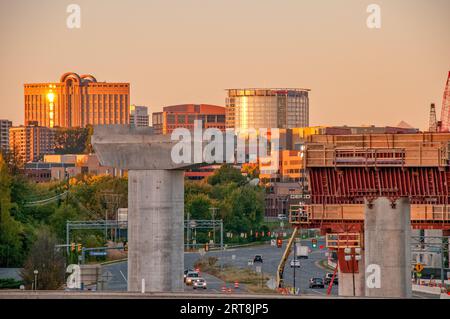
(10,229)
(246,209)
(198,206)
(227,173)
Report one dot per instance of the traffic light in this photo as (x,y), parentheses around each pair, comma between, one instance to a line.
(314,243)
(279,242)
(72,247)
(79,248)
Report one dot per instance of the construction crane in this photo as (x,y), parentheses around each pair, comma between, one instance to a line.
(284,258)
(445,112)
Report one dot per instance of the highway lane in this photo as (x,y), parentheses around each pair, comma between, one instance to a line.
(239,257)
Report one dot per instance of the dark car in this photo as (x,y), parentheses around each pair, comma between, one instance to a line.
(258,259)
(316,283)
(328,277)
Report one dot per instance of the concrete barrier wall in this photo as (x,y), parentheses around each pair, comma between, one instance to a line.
(427,289)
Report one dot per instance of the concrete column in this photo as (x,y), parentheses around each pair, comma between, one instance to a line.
(155,230)
(387,236)
(345,287)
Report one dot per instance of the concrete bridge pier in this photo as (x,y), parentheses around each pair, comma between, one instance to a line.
(155,228)
(387,236)
(351,283)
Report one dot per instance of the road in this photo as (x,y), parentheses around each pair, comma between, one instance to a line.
(239,257)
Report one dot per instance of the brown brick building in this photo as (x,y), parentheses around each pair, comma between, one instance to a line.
(76,101)
(184,115)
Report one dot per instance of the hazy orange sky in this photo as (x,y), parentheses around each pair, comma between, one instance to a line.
(189,51)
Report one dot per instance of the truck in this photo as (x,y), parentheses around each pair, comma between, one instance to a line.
(302,252)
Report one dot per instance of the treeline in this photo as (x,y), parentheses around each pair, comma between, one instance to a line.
(226,193)
(22,216)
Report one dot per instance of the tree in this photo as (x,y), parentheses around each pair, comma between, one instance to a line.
(71,140)
(198,206)
(48,261)
(10,229)
(246,209)
(227,173)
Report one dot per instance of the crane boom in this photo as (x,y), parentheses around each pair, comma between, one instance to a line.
(445,111)
(283,260)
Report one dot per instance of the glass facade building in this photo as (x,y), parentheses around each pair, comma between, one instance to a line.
(267,108)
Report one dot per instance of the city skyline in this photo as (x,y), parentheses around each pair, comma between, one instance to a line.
(356,75)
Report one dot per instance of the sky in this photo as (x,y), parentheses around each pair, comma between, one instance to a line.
(190,51)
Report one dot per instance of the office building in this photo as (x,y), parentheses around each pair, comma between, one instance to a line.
(31,143)
(267,108)
(76,101)
(184,115)
(139,116)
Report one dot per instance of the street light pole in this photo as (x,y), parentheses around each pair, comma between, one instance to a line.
(35,278)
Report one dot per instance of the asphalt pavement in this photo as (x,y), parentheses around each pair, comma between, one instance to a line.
(240,257)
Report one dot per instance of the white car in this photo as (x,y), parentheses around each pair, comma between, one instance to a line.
(282,217)
(295,263)
(199,283)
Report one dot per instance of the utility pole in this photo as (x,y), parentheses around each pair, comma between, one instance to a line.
(295,261)
(213,213)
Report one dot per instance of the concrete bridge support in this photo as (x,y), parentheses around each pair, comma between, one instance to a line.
(387,233)
(156,207)
(352,284)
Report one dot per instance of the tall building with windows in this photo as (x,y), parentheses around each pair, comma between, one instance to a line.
(5,125)
(139,116)
(76,101)
(184,115)
(267,108)
(30,143)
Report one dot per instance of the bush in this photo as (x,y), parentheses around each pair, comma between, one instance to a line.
(10,283)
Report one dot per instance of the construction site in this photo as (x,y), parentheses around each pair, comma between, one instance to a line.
(367,192)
